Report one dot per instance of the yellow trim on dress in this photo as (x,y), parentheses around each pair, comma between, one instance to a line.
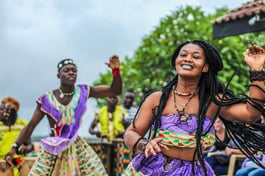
(173,138)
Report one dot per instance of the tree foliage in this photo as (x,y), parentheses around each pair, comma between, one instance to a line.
(149,69)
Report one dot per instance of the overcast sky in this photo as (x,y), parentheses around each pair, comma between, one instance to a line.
(37,34)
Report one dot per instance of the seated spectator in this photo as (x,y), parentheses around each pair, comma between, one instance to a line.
(111,119)
(222,138)
(220,161)
(223,149)
(10,127)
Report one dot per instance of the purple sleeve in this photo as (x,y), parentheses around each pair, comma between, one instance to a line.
(48,108)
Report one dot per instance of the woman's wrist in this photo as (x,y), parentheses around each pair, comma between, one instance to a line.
(140,145)
(256,68)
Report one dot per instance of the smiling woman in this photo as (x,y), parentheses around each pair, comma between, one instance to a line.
(64,108)
(180,117)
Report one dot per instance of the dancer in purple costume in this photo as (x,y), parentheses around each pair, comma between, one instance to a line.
(180,117)
(64,152)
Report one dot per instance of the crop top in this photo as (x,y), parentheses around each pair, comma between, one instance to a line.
(180,133)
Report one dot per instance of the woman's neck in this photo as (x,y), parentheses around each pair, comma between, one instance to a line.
(186,86)
(220,132)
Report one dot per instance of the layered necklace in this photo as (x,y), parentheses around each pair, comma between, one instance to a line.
(62,94)
(182,112)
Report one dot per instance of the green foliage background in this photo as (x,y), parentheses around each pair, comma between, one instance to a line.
(149,69)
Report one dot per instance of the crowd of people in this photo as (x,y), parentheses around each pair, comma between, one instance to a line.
(171,132)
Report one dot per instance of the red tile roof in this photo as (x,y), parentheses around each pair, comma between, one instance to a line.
(248,9)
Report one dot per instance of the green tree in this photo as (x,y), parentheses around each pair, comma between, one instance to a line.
(149,69)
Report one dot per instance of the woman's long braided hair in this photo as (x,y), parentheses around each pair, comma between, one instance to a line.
(246,138)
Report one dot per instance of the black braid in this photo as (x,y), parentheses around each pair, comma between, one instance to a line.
(157,112)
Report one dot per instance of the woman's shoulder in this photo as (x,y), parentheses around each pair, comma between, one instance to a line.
(155,95)
(153,98)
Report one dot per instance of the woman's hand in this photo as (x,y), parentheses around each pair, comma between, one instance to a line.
(113,62)
(154,146)
(255,58)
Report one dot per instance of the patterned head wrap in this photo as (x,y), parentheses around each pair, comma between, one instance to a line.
(64,62)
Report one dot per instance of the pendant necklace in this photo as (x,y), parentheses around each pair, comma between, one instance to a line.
(182,112)
(62,94)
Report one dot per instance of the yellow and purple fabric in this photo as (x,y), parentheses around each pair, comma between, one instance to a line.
(179,133)
(66,153)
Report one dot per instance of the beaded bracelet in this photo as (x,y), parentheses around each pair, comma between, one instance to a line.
(16,146)
(257,75)
(142,145)
(135,144)
(116,72)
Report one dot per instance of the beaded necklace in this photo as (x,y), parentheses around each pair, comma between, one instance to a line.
(62,94)
(182,112)
(181,93)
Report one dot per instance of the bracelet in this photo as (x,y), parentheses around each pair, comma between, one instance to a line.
(141,145)
(135,144)
(16,146)
(116,72)
(257,75)
(19,150)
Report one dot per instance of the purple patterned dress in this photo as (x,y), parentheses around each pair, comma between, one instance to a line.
(175,132)
(66,153)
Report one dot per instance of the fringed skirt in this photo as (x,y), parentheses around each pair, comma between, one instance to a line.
(79,159)
(162,165)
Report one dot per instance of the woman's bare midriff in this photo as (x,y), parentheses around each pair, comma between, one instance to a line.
(180,153)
